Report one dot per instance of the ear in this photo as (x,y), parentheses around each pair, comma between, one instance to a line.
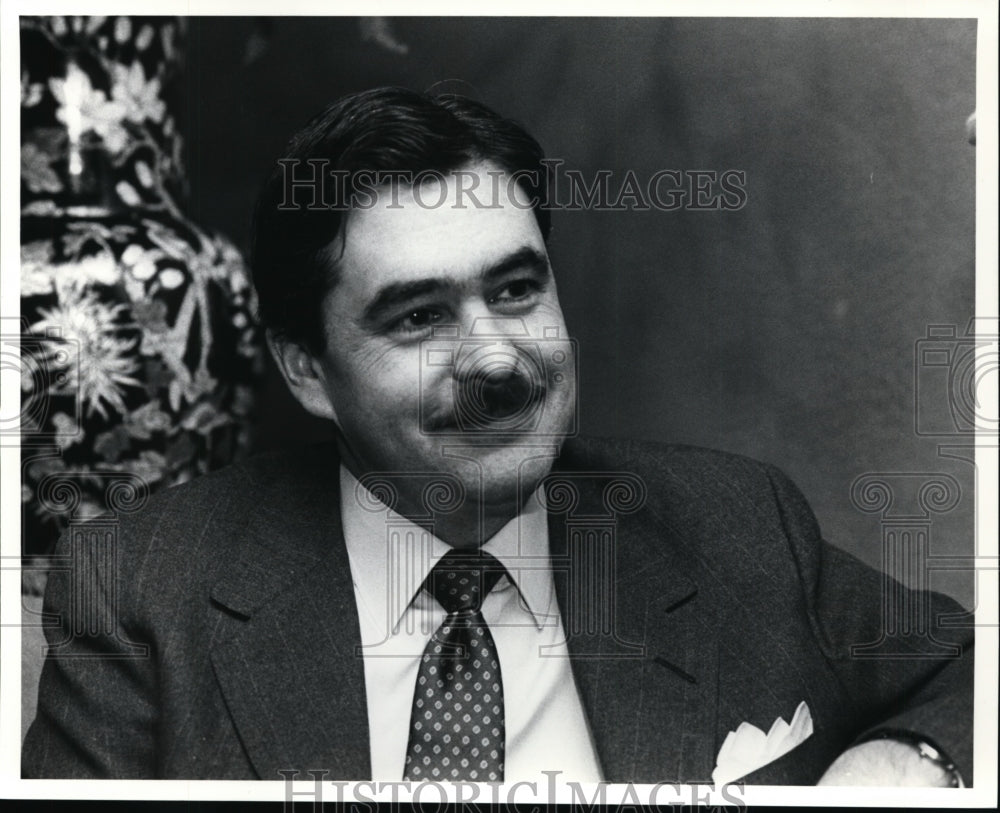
(303,375)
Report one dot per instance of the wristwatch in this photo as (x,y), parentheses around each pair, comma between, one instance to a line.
(927,750)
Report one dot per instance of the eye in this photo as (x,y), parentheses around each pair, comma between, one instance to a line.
(518,290)
(417,320)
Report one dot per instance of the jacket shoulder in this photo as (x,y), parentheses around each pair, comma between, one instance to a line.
(694,465)
(191,532)
(232,490)
(705,494)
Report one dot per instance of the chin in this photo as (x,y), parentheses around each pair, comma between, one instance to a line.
(508,475)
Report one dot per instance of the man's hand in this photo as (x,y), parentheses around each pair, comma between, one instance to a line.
(885,763)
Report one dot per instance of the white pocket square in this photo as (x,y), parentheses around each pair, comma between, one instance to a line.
(748,748)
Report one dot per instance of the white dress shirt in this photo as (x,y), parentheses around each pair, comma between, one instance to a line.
(546,729)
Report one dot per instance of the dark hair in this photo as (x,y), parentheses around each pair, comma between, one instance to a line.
(385,130)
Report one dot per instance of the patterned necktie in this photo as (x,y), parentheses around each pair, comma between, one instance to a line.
(457,722)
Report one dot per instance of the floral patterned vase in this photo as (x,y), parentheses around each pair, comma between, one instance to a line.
(140,353)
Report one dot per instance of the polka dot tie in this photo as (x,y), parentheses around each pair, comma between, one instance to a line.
(457,722)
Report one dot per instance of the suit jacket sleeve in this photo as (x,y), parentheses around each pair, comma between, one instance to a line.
(929,696)
(97,709)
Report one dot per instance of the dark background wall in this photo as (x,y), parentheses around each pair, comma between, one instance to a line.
(785,330)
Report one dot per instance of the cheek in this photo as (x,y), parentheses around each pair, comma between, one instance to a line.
(549,314)
(377,382)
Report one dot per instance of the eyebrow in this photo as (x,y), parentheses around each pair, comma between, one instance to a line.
(397,294)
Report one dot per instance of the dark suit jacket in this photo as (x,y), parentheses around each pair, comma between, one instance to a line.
(726,606)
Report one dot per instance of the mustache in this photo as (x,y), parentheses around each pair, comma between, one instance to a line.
(491,399)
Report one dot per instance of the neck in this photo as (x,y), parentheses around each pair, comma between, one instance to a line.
(470,525)
(472,529)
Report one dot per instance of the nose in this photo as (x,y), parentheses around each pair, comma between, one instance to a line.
(497,385)
(499,393)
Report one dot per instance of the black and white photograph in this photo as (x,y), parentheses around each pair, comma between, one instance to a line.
(497,407)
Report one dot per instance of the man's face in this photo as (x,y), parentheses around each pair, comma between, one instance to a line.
(446,346)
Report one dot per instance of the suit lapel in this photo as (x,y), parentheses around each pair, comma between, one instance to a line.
(646,666)
(287,631)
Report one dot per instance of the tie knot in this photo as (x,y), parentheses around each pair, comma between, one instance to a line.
(463,578)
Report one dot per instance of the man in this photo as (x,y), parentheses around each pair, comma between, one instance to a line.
(458,588)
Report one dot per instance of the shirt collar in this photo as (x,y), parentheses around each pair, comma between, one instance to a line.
(391,556)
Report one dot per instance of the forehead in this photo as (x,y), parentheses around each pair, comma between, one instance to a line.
(450,226)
